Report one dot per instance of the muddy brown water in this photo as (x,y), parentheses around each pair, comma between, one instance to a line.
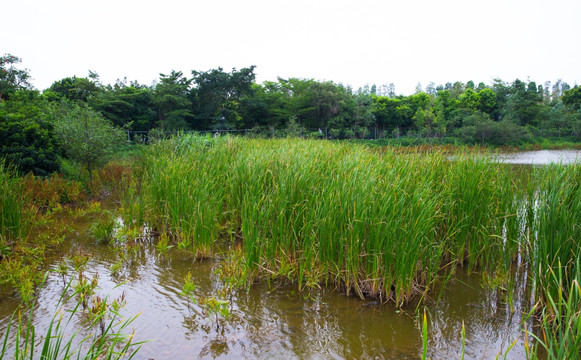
(281,323)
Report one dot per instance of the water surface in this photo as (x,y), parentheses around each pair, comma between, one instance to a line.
(279,322)
(542,157)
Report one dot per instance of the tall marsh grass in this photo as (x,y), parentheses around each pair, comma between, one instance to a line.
(556,222)
(375,223)
(13,221)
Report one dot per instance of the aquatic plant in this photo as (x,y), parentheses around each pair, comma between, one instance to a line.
(188,289)
(371,222)
(12,218)
(425,337)
(217,309)
(556,228)
(375,223)
(560,334)
(162,245)
(21,339)
(103,230)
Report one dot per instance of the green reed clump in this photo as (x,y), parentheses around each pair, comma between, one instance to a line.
(560,329)
(183,187)
(103,229)
(13,224)
(375,223)
(481,204)
(379,225)
(556,221)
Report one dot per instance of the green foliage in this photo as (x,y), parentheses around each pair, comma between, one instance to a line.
(218,95)
(74,89)
(469,100)
(12,220)
(128,106)
(27,138)
(12,79)
(87,137)
(172,99)
(220,100)
(523,103)
(572,98)
(557,220)
(487,103)
(324,209)
(217,309)
(103,229)
(478,128)
(560,334)
(188,289)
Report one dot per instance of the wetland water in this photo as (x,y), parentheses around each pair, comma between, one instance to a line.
(281,323)
(542,157)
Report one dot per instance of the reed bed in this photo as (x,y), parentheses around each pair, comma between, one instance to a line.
(13,224)
(184,188)
(378,224)
(555,241)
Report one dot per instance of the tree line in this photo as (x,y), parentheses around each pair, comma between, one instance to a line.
(498,113)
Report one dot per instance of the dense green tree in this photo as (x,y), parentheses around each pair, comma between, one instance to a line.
(12,78)
(363,118)
(218,95)
(480,128)
(129,106)
(262,108)
(27,138)
(425,121)
(173,101)
(385,112)
(445,107)
(572,98)
(328,101)
(86,136)
(73,89)
(469,100)
(502,91)
(523,103)
(487,103)
(296,99)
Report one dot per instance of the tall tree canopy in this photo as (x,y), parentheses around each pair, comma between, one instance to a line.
(11,77)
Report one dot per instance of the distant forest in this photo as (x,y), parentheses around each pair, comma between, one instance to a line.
(500,113)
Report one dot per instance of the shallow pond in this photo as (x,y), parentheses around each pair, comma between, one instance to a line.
(281,323)
(542,157)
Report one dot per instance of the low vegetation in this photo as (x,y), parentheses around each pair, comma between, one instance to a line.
(376,222)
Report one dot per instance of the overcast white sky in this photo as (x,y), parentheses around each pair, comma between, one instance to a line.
(349,42)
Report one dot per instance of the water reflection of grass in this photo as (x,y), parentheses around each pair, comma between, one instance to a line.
(21,341)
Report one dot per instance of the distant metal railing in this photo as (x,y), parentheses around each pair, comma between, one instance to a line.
(145,137)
